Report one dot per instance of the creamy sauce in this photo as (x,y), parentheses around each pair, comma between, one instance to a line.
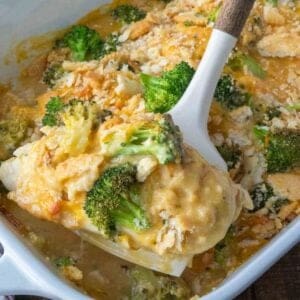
(200,200)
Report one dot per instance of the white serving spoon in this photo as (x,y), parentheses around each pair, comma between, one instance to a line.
(22,270)
(191,112)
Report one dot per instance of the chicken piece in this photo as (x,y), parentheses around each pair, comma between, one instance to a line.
(47,187)
(286,44)
(190,18)
(286,184)
(127,85)
(272,15)
(142,27)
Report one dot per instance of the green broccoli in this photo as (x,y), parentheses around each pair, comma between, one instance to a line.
(263,113)
(229,95)
(163,92)
(231,154)
(64,261)
(260,194)
(145,284)
(12,133)
(213,15)
(111,43)
(78,111)
(279,203)
(52,74)
(281,148)
(273,2)
(127,13)
(283,151)
(240,60)
(77,119)
(188,23)
(260,132)
(263,192)
(272,112)
(60,113)
(221,250)
(293,107)
(54,106)
(112,203)
(85,43)
(160,138)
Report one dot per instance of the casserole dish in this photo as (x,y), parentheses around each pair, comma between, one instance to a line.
(22,271)
(239,280)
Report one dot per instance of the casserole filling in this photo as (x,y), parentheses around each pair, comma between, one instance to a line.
(96,151)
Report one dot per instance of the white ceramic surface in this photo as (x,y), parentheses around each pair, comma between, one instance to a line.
(193,108)
(22,271)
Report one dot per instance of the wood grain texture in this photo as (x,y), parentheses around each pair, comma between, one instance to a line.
(281,282)
(233,16)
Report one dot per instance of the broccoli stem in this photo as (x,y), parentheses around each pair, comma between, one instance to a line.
(130,215)
(229,94)
(113,202)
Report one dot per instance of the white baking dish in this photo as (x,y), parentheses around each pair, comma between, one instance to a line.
(22,270)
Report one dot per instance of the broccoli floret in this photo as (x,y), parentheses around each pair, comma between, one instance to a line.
(272,112)
(111,43)
(212,16)
(293,107)
(12,133)
(79,110)
(281,148)
(128,13)
(240,60)
(279,203)
(231,154)
(78,120)
(64,261)
(160,138)
(273,2)
(112,202)
(260,132)
(221,250)
(145,284)
(85,43)
(263,114)
(260,194)
(53,107)
(58,113)
(283,151)
(163,92)
(52,74)
(229,95)
(188,23)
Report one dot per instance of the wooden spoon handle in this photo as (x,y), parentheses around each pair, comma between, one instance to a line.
(233,16)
